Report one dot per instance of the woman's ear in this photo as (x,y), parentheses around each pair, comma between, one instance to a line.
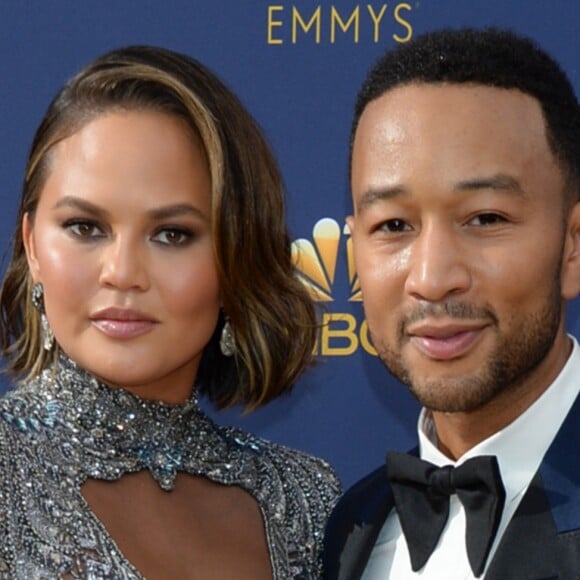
(570,277)
(30,246)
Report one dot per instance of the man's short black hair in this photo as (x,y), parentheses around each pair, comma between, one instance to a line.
(491,57)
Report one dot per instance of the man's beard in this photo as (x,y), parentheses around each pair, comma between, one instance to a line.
(514,358)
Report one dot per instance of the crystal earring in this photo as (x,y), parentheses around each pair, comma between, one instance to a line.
(227,340)
(37,299)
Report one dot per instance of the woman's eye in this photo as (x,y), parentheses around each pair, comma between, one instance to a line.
(173,237)
(84,229)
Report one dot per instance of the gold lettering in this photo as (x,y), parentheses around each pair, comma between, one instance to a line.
(273,24)
(336,18)
(346,334)
(310,23)
(306,26)
(403,23)
(365,339)
(376,20)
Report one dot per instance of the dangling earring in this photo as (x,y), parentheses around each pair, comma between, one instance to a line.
(227,340)
(37,299)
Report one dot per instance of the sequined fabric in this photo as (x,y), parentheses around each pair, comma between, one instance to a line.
(64,427)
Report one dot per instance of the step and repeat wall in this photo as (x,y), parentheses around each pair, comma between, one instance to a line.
(297,66)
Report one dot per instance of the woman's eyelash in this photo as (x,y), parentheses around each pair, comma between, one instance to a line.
(86,229)
(83,228)
(174,236)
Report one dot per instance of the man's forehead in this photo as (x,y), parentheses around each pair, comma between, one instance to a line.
(450,134)
(449,112)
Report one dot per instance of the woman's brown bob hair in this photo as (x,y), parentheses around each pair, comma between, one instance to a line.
(273,318)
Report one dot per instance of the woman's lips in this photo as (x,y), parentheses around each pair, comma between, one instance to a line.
(445,345)
(123,329)
(122,323)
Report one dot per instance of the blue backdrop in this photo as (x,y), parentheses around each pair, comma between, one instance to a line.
(297,66)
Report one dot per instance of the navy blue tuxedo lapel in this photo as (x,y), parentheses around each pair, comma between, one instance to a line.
(354,526)
(560,471)
(360,542)
(530,548)
(543,539)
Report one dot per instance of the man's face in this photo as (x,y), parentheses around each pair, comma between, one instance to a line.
(460,240)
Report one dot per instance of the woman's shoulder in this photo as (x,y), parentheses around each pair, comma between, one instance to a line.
(296,467)
(310,466)
(9,450)
(15,424)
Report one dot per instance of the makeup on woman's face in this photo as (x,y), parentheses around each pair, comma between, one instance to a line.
(121,241)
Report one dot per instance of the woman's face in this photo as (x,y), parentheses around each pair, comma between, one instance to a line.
(121,241)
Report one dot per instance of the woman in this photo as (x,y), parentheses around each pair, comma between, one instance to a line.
(151,264)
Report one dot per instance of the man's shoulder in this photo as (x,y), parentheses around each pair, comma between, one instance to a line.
(354,523)
(363,499)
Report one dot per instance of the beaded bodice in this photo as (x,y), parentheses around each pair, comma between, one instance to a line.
(64,427)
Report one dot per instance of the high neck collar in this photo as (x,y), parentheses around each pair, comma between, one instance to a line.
(69,375)
(111,430)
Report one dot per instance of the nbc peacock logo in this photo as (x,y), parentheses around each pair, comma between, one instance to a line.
(316,261)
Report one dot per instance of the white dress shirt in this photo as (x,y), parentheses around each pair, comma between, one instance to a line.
(519,448)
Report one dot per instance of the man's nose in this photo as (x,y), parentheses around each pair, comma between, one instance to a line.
(438,264)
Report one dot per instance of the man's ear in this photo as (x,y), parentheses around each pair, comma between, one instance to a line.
(30,247)
(571,256)
(350,223)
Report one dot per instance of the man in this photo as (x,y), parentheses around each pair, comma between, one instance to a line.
(465,174)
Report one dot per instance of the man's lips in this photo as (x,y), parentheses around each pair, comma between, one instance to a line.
(445,341)
(122,323)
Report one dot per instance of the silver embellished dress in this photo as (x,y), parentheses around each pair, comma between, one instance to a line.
(64,427)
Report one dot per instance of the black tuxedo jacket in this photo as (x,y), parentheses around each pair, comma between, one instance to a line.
(541,542)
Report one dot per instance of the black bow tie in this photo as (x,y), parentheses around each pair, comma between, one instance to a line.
(421,491)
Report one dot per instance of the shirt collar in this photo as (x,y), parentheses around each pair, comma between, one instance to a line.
(521,445)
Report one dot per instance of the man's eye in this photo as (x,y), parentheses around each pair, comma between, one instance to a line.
(487,219)
(395,225)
